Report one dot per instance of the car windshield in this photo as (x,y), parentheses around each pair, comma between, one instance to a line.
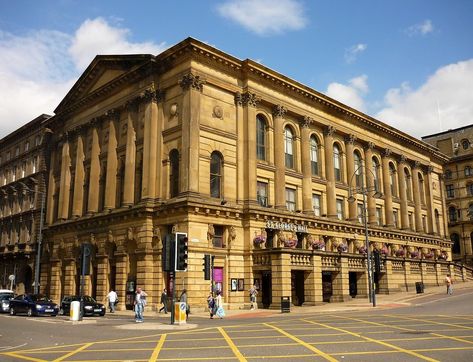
(89,299)
(40,298)
(6,296)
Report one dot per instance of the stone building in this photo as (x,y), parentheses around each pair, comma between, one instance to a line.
(457,144)
(24,161)
(255,167)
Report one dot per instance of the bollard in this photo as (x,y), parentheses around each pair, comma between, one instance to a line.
(75,311)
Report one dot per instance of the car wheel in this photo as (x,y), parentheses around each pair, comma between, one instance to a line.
(102,314)
(61,311)
(12,311)
(30,312)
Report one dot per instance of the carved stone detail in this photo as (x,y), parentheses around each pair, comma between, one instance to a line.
(387,152)
(174,110)
(279,111)
(307,121)
(370,146)
(218,112)
(191,81)
(210,233)
(329,130)
(246,99)
(402,159)
(350,139)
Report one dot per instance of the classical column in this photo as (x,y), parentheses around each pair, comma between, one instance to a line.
(330,172)
(150,142)
(370,184)
(246,103)
(350,146)
(112,162)
(429,200)
(130,155)
(279,157)
(388,197)
(51,190)
(241,149)
(160,96)
(417,202)
(444,206)
(65,184)
(402,192)
(306,166)
(192,87)
(93,202)
(78,202)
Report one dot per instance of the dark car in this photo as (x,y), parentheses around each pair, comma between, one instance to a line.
(33,304)
(5,296)
(91,307)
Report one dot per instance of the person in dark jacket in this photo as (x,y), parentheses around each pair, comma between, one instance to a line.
(164,301)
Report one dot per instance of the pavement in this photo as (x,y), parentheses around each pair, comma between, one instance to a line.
(383,301)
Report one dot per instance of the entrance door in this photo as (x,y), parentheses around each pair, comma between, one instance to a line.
(266,287)
(352,280)
(297,281)
(327,286)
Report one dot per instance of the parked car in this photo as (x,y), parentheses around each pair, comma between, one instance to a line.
(5,296)
(91,307)
(33,305)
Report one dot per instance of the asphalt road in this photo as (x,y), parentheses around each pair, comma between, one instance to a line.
(434,328)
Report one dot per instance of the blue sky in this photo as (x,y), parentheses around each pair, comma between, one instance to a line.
(407,63)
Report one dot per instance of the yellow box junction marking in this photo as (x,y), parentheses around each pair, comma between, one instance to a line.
(234,348)
(14,354)
(154,356)
(73,352)
(301,342)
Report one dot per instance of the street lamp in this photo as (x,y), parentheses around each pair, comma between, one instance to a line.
(39,238)
(365,190)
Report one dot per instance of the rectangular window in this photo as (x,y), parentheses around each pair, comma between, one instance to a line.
(290,199)
(218,236)
(450,191)
(17,151)
(395,220)
(340,209)
(360,213)
(27,145)
(379,216)
(316,204)
(262,193)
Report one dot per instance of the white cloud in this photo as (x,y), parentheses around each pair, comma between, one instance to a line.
(351,94)
(444,101)
(38,69)
(265,17)
(352,53)
(421,28)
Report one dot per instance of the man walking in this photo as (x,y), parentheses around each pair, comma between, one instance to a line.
(140,302)
(449,283)
(164,301)
(112,300)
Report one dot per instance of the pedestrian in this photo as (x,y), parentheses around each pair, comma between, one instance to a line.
(253,293)
(183,299)
(140,302)
(211,305)
(164,301)
(219,311)
(112,300)
(449,283)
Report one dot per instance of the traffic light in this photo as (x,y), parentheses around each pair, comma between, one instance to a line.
(85,252)
(181,251)
(207,267)
(168,253)
(377,261)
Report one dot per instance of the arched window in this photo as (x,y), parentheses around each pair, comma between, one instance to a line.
(465,144)
(288,147)
(407,180)
(375,169)
(452,214)
(392,180)
(421,189)
(314,155)
(456,243)
(216,161)
(358,169)
(337,164)
(260,137)
(174,173)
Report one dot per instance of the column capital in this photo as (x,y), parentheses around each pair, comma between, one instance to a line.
(329,130)
(416,164)
(191,81)
(307,121)
(153,95)
(279,111)
(113,114)
(246,99)
(429,169)
(369,146)
(402,159)
(350,139)
(387,152)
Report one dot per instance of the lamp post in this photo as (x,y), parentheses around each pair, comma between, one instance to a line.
(365,190)
(39,238)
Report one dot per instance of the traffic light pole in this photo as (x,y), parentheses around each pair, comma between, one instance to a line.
(172,276)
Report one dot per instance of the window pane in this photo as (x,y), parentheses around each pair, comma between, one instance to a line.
(262,193)
(340,209)
(314,157)
(291,199)
(288,145)
(336,163)
(215,175)
(316,204)
(260,138)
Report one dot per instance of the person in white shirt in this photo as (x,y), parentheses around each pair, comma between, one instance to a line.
(112,300)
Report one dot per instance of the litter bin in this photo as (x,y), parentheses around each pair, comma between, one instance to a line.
(285,304)
(419,287)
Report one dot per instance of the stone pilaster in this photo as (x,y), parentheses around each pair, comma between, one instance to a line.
(306,166)
(370,184)
(279,157)
(65,183)
(55,282)
(121,278)
(93,201)
(417,202)
(352,206)
(313,284)
(112,164)
(388,197)
(403,192)
(130,156)
(150,145)
(78,198)
(330,172)
(429,200)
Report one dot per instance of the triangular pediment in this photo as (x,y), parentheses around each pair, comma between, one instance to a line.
(102,72)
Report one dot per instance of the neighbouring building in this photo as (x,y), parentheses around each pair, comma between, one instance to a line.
(273,179)
(457,144)
(24,158)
